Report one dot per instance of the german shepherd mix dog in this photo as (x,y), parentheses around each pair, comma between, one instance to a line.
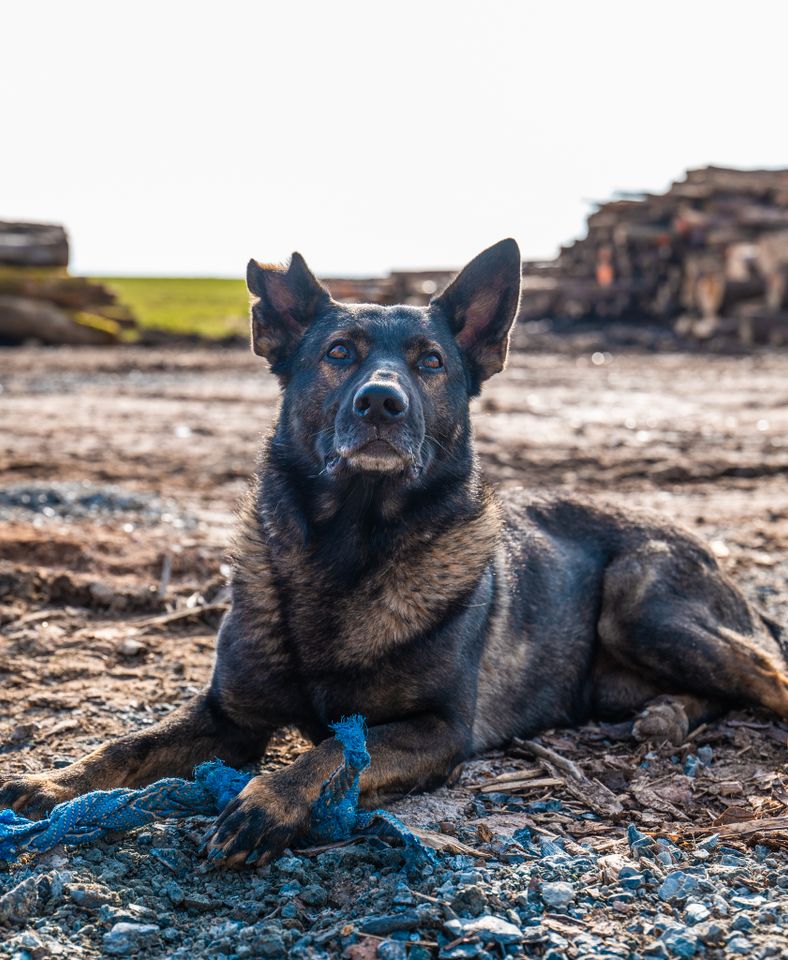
(376,572)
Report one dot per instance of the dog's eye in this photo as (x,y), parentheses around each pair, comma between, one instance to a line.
(431,361)
(338,351)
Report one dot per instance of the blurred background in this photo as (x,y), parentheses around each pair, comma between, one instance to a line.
(385,140)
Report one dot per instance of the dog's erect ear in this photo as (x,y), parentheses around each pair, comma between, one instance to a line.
(286,302)
(481,304)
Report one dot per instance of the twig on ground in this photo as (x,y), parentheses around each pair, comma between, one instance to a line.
(545,753)
(196,612)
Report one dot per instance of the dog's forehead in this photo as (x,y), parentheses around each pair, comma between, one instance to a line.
(377,322)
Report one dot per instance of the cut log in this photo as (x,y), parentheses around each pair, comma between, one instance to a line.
(33,244)
(23,319)
(76,293)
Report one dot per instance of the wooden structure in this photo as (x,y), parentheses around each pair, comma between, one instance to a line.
(40,301)
(708,257)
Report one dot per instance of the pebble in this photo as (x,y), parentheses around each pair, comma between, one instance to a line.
(198,901)
(677,886)
(173,892)
(20,901)
(488,929)
(680,942)
(630,879)
(739,945)
(23,731)
(713,933)
(130,647)
(126,938)
(470,901)
(691,764)
(392,950)
(705,755)
(558,895)
(656,950)
(314,895)
(90,896)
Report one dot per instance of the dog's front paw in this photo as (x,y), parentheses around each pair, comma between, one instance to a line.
(662,719)
(33,795)
(258,824)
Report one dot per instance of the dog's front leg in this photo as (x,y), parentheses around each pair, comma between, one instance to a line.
(275,808)
(197,731)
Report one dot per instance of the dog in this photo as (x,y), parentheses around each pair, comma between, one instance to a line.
(375,571)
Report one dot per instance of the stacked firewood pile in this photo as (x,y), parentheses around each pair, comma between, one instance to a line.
(39,301)
(708,257)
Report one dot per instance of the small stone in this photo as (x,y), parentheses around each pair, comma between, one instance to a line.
(198,901)
(174,893)
(392,950)
(639,842)
(680,942)
(630,879)
(677,886)
(691,764)
(558,895)
(292,866)
(469,902)
(464,951)
(269,945)
(90,896)
(705,755)
(130,647)
(23,731)
(58,761)
(126,938)
(747,902)
(712,934)
(488,929)
(656,950)
(20,901)
(314,895)
(403,896)
(290,889)
(419,953)
(739,944)
(709,843)
(102,593)
(730,788)
(168,857)
(696,912)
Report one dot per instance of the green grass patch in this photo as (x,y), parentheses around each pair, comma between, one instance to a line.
(201,305)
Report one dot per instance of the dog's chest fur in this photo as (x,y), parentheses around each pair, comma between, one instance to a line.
(329,623)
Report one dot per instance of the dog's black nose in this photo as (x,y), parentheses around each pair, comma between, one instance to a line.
(380,402)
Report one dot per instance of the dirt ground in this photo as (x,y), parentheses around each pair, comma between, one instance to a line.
(120,470)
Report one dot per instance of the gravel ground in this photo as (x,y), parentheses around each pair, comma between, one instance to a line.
(120,471)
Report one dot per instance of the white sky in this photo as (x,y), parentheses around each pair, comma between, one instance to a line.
(183,138)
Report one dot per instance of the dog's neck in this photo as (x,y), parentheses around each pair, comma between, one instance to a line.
(351,525)
(403,571)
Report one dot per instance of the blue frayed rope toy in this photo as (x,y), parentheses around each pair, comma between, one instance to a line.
(85,819)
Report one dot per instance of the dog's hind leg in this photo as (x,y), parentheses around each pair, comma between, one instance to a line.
(200,730)
(671,615)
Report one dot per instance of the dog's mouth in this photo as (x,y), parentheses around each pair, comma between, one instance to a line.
(375,456)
